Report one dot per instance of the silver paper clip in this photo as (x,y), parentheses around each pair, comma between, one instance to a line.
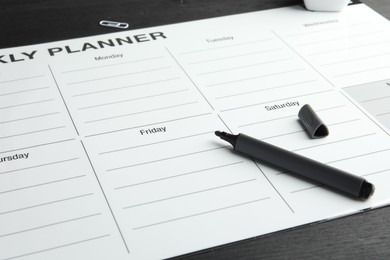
(119,25)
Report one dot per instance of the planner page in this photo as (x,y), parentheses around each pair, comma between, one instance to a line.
(107,144)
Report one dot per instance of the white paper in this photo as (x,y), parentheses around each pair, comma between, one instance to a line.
(110,152)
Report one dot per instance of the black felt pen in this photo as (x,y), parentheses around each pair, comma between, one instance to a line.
(332,177)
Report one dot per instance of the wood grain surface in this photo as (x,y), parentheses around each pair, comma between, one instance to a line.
(362,236)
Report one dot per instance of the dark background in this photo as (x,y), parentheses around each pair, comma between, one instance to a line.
(365,235)
(24,22)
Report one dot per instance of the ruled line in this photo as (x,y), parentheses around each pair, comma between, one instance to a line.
(355,59)
(371,86)
(33,132)
(125,87)
(233,56)
(189,193)
(320,185)
(121,75)
(41,165)
(224,47)
(141,112)
(383,114)
(339,38)
(29,103)
(179,175)
(334,142)
(202,213)
(243,66)
(255,77)
(360,71)
(377,172)
(22,91)
(19,79)
(345,122)
(284,134)
(38,145)
(165,141)
(301,131)
(42,184)
(111,65)
(360,155)
(266,121)
(276,100)
(30,117)
(134,99)
(306,189)
(51,224)
(346,158)
(266,89)
(57,247)
(154,123)
(368,44)
(45,204)
(374,99)
(165,159)
(349,48)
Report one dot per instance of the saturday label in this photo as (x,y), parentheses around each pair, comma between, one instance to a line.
(281,106)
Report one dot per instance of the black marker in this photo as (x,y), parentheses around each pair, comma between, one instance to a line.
(295,163)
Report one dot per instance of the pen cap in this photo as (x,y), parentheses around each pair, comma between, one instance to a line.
(312,123)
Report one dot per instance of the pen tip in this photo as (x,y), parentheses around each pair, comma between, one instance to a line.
(218,133)
(232,139)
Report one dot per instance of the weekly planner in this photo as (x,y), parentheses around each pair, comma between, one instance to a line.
(107,145)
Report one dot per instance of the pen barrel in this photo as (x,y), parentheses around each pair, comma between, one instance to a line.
(303,166)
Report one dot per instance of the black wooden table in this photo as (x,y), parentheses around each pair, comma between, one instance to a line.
(362,236)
